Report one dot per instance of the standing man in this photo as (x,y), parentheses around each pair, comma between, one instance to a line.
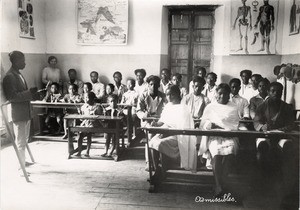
(141,85)
(16,92)
(266,21)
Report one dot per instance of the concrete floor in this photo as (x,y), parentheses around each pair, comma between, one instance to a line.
(85,184)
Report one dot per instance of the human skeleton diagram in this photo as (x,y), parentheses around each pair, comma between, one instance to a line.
(245,22)
(266,24)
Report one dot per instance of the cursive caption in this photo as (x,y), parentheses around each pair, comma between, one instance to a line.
(225,198)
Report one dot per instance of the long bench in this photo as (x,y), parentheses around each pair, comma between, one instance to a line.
(244,135)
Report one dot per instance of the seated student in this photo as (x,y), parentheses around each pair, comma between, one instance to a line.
(53,96)
(88,108)
(151,102)
(176,80)
(242,103)
(174,115)
(210,87)
(141,86)
(113,111)
(245,76)
(51,73)
(221,114)
(73,80)
(131,98)
(253,91)
(120,88)
(196,101)
(98,87)
(87,87)
(200,72)
(164,80)
(109,90)
(263,87)
(71,97)
(273,115)
(287,76)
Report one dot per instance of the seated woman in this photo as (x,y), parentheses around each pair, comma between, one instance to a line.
(174,115)
(221,114)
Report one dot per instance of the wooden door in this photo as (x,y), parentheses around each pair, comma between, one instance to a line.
(190,41)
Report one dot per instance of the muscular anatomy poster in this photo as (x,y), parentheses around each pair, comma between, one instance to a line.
(25,17)
(102,22)
(253,26)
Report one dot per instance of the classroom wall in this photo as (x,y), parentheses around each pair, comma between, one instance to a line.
(34,49)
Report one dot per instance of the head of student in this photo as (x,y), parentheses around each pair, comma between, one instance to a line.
(117,77)
(198,85)
(90,98)
(211,78)
(112,101)
(245,76)
(176,79)
(17,60)
(72,75)
(200,71)
(223,93)
(235,86)
(275,91)
(130,84)
(72,89)
(153,84)
(140,75)
(173,94)
(165,74)
(255,78)
(94,76)
(87,87)
(54,88)
(52,60)
(110,88)
(263,86)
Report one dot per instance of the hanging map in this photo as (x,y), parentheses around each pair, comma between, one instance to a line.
(103,22)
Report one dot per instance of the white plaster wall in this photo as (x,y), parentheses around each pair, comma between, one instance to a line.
(10,28)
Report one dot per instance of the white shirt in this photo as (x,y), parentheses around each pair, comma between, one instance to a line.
(141,88)
(99,89)
(209,92)
(242,104)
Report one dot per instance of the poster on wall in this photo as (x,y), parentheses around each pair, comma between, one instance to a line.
(294,27)
(102,22)
(253,27)
(25,17)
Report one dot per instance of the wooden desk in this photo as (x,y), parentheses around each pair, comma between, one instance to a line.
(59,105)
(116,130)
(197,132)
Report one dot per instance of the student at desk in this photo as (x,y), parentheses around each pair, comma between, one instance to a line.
(275,115)
(88,108)
(71,97)
(112,111)
(53,96)
(221,114)
(174,115)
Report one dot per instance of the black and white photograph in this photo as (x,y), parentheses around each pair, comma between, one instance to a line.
(138,104)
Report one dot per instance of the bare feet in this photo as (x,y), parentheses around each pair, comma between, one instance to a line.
(262,49)
(239,49)
(65,136)
(104,154)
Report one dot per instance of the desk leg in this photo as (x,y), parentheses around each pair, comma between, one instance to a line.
(117,140)
(70,142)
(150,166)
(129,124)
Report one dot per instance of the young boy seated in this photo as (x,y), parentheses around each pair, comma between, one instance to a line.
(98,87)
(274,115)
(165,80)
(71,97)
(176,80)
(200,72)
(109,90)
(245,76)
(242,103)
(263,87)
(120,88)
(131,98)
(113,111)
(196,101)
(88,108)
(53,96)
(210,87)
(253,91)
